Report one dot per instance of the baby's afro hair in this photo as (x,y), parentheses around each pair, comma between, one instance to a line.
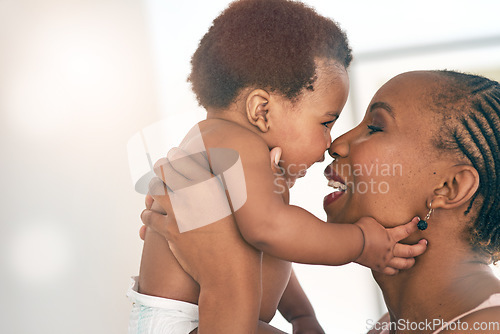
(268,44)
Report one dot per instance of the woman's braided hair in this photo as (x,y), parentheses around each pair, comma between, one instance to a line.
(470,106)
(269,44)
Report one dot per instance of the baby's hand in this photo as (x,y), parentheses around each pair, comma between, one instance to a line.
(382,250)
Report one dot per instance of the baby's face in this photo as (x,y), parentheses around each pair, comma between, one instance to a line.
(302,129)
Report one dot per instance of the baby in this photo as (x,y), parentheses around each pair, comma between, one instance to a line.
(270,73)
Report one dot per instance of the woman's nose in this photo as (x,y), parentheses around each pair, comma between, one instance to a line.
(339,148)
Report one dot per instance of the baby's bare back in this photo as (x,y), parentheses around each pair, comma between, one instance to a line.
(162,276)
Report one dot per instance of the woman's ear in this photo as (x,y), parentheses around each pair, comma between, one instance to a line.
(457,189)
(257,107)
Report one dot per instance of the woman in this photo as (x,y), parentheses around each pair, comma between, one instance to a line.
(443,129)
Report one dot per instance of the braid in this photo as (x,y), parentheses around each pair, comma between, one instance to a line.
(472,103)
(481,85)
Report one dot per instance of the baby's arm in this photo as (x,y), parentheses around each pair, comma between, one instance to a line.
(297,310)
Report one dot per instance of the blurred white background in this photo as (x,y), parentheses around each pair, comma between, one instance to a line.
(80,77)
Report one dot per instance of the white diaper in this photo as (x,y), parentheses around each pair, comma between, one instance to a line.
(156,315)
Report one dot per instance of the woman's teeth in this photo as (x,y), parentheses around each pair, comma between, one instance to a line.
(339,186)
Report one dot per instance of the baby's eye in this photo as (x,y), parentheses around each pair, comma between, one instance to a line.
(327,123)
(374,129)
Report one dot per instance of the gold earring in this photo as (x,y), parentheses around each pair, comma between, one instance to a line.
(422,224)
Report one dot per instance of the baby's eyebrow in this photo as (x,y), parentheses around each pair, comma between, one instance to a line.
(382,105)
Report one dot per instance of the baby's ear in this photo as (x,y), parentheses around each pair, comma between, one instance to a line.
(457,188)
(257,107)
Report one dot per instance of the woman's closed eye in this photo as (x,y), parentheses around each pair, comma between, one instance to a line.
(374,128)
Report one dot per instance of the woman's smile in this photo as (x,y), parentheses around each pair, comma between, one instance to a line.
(335,181)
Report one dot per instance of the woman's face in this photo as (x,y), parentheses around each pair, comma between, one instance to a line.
(388,162)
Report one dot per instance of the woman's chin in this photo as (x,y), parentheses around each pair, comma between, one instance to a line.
(338,219)
(331,199)
(336,208)
(332,204)
(335,216)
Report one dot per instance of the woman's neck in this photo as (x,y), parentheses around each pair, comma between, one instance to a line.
(444,283)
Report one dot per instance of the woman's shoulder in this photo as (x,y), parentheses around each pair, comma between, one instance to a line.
(485,319)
